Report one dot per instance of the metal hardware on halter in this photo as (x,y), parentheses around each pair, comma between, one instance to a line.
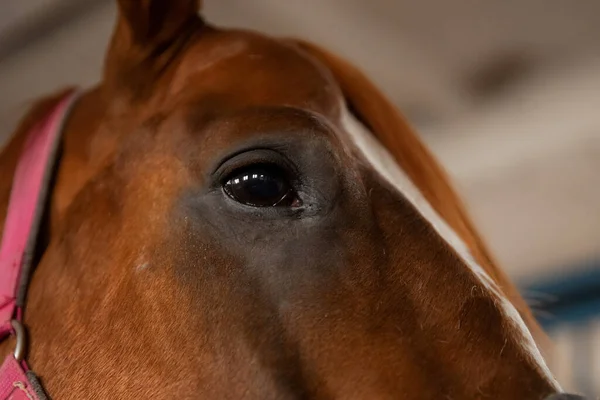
(21,338)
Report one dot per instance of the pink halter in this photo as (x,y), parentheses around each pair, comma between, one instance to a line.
(27,200)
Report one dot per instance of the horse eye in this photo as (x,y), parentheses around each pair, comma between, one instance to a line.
(261,186)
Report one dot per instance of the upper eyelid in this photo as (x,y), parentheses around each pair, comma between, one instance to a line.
(242,152)
(248,158)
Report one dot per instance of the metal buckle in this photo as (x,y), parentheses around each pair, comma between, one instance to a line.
(20,347)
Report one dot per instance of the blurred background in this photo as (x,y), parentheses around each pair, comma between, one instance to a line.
(506,93)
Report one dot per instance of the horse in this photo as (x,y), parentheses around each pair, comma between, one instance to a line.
(234,215)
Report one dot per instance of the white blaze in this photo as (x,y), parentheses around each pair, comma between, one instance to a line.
(383,162)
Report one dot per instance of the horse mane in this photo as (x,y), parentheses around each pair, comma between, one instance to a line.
(393,131)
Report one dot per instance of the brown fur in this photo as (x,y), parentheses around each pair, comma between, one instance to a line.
(154,285)
(395,133)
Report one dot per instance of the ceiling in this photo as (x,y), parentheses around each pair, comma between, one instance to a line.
(505,93)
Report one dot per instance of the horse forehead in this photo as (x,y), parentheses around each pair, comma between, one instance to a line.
(256,70)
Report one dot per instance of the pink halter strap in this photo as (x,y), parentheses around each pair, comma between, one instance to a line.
(28,197)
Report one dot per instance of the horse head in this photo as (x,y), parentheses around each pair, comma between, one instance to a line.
(240,216)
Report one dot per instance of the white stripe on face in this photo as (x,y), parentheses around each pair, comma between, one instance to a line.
(383,162)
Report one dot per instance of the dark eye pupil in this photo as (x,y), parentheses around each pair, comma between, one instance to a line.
(260,186)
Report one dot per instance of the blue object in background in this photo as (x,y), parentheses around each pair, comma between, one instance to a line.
(568,304)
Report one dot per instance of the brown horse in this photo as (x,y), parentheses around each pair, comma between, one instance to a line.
(237,216)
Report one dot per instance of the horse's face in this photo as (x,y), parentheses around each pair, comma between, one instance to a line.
(221,233)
